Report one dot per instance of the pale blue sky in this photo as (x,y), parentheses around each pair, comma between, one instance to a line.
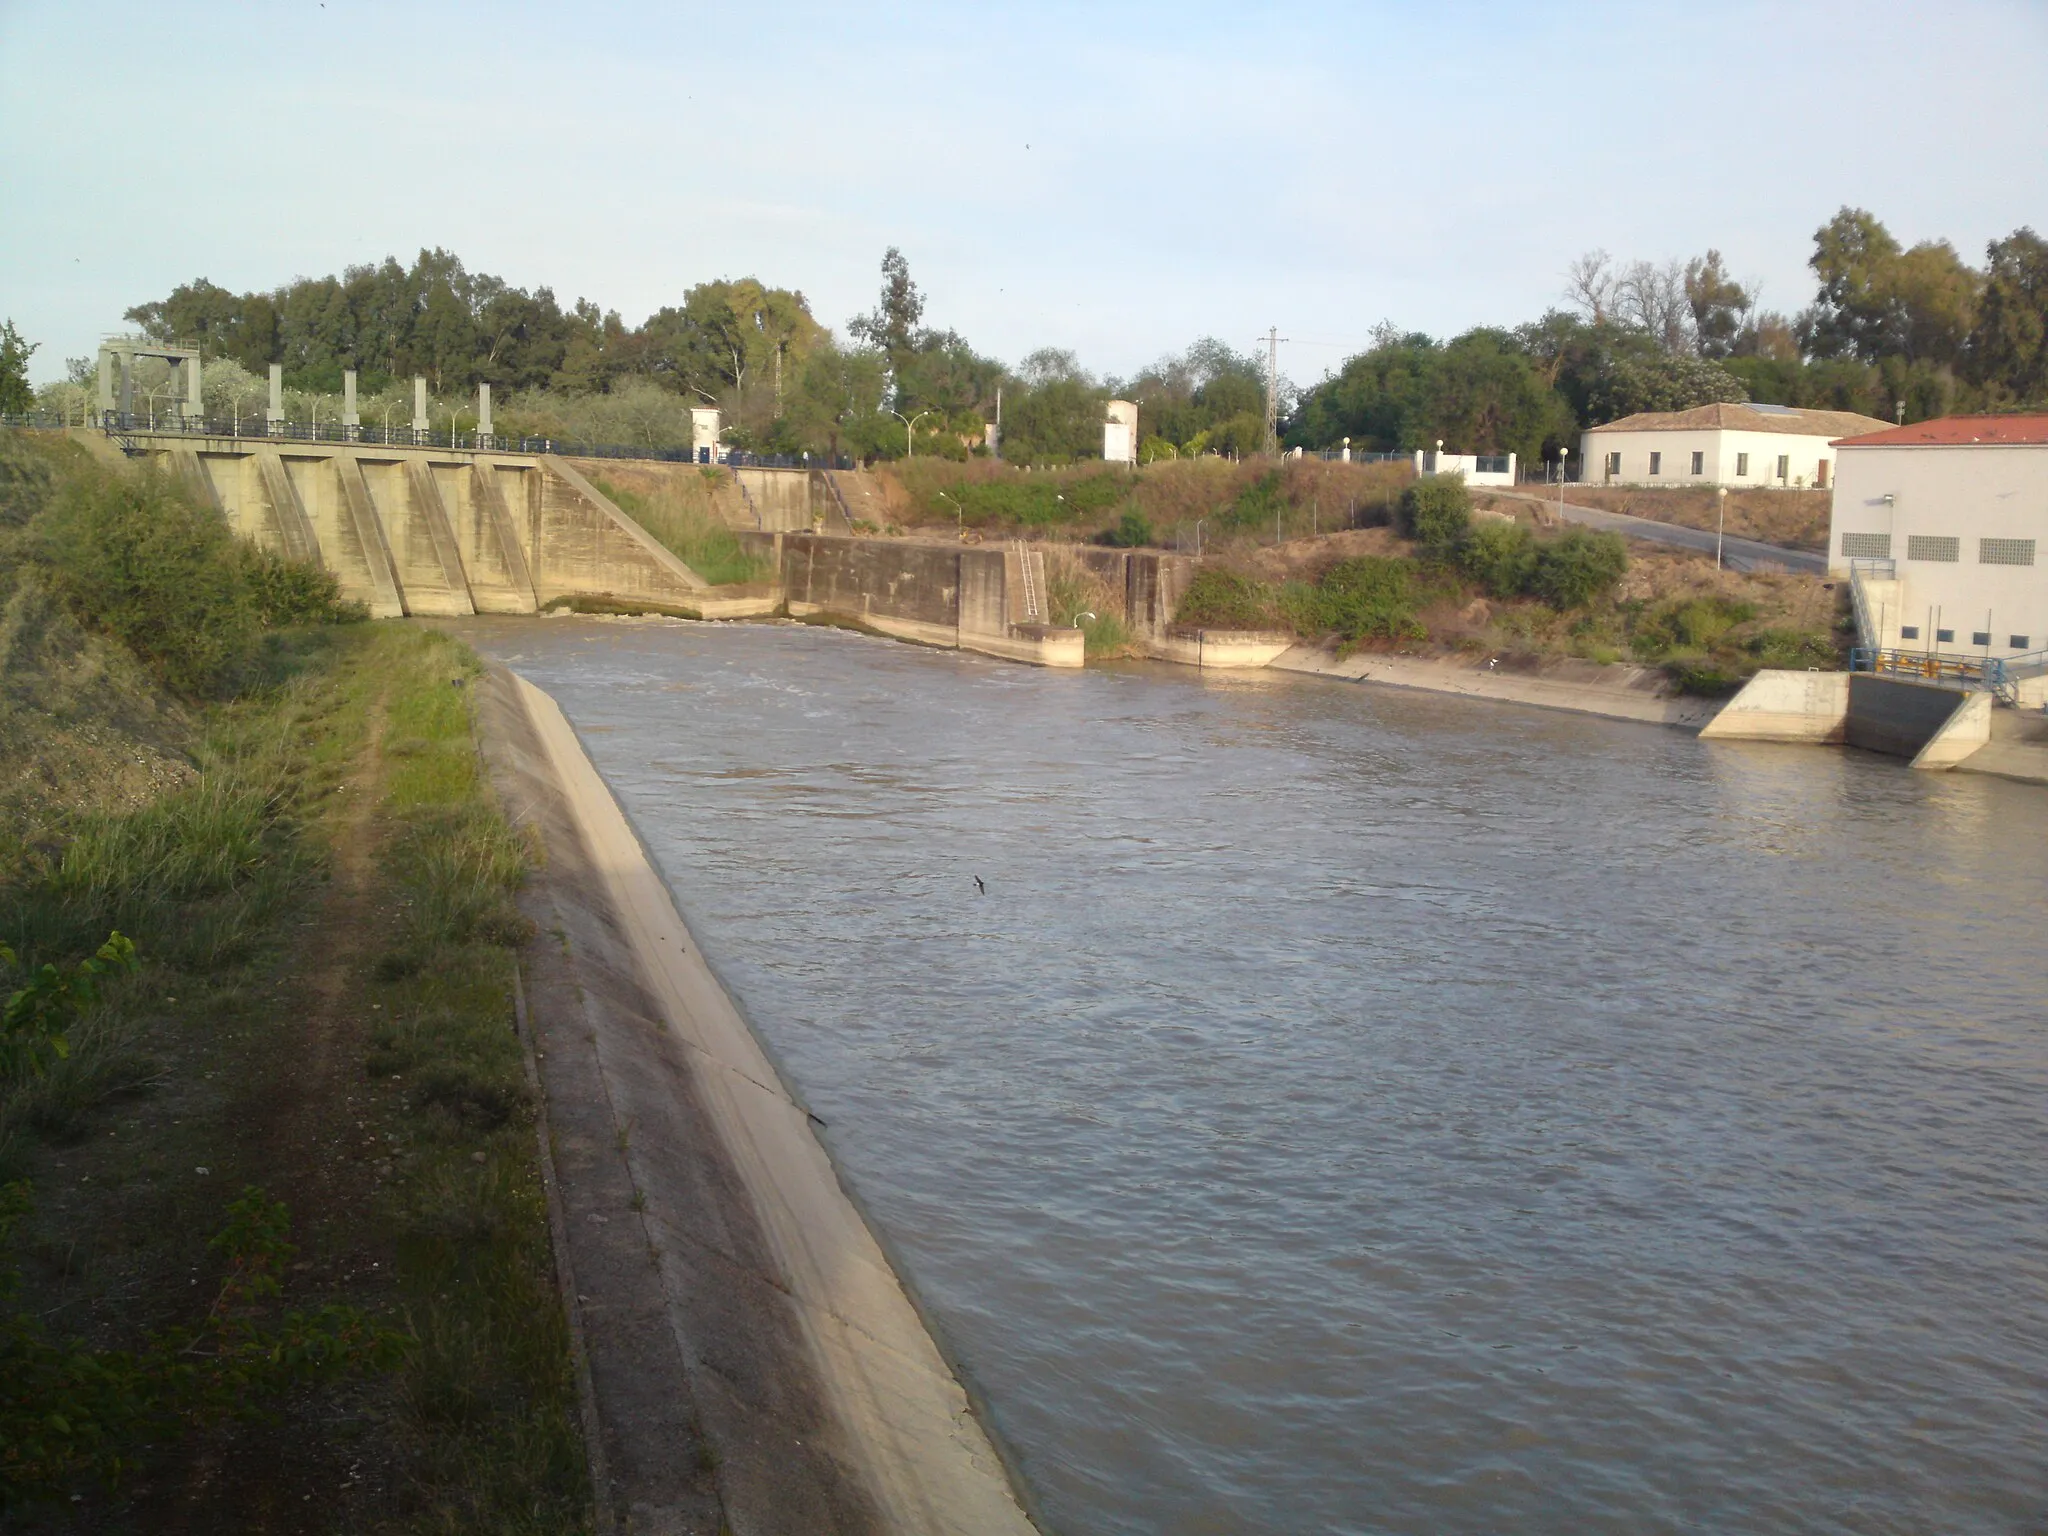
(1118,179)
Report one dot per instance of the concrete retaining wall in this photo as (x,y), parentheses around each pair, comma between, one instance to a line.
(930,593)
(1933,726)
(1899,717)
(1222,649)
(1785,706)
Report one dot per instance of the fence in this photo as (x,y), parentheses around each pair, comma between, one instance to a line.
(256,428)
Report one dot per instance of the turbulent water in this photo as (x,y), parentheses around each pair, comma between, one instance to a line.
(1355,1110)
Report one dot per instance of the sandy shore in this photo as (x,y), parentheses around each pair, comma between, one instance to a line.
(757,1365)
(1620,692)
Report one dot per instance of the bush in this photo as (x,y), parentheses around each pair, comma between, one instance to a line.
(1688,624)
(1132,531)
(1578,566)
(1370,597)
(1437,514)
(139,560)
(285,593)
(1501,557)
(1220,599)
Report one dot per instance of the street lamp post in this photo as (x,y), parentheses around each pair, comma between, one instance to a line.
(959,516)
(1562,455)
(1720,522)
(1198,536)
(909,425)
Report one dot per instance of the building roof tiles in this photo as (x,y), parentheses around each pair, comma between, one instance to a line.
(1958,432)
(1747,418)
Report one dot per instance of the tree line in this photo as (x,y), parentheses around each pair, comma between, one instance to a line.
(1889,328)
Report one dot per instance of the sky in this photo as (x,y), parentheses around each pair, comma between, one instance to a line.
(1118,180)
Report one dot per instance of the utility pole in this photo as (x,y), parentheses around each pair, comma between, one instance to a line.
(1273,340)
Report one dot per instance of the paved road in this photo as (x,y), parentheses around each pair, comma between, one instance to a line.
(1739,554)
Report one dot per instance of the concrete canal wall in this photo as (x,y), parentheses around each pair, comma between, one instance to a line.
(723,1281)
(1932,726)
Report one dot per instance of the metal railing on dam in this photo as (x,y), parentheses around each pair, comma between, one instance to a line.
(257,430)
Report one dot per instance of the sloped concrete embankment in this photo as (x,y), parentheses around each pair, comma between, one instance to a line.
(1618,692)
(1933,727)
(756,1364)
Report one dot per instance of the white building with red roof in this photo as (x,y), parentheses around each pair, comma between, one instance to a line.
(1731,445)
(1942,525)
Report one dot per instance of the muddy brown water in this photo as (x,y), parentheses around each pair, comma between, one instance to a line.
(1353,1110)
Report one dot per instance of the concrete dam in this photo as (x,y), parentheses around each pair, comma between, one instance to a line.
(449,532)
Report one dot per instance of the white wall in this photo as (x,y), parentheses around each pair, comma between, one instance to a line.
(1966,492)
(1429,462)
(1721,452)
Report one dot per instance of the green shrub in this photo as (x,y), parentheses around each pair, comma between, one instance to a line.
(1220,599)
(1688,624)
(136,558)
(1501,557)
(1577,567)
(1257,507)
(1132,531)
(1437,514)
(1704,678)
(287,593)
(1793,648)
(1370,597)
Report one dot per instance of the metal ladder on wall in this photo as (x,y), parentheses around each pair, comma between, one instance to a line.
(1029,564)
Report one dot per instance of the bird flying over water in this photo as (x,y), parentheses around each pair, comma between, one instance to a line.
(979,886)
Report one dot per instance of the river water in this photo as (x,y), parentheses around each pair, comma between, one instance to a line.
(1353,1110)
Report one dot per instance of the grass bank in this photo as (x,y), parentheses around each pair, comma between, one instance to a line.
(323,1013)
(1157,504)
(273,1244)
(1491,586)
(680,509)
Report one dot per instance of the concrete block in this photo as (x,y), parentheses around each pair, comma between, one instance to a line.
(1778,705)
(1960,736)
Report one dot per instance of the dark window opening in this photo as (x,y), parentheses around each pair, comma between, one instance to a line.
(1699,463)
(1980,637)
(1656,463)
(1944,637)
(1909,631)
(2016,642)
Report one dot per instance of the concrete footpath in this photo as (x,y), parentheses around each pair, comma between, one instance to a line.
(1619,692)
(755,1364)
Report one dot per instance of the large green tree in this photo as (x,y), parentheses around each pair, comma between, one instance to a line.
(15,396)
(2009,347)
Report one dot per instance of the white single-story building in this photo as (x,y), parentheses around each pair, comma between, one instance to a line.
(1731,445)
(1944,524)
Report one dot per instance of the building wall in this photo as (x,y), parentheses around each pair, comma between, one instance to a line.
(1720,449)
(1967,493)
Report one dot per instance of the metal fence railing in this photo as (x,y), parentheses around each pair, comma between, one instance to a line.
(2000,675)
(246,428)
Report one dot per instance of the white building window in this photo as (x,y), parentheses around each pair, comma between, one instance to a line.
(1613,464)
(1866,546)
(2005,551)
(1784,466)
(1699,462)
(1656,463)
(1933,547)
(1741,464)
(2016,642)
(1980,637)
